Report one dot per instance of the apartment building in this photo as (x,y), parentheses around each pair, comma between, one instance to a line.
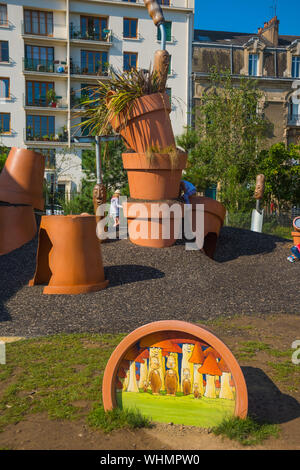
(51,51)
(268,57)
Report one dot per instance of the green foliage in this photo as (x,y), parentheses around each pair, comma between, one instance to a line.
(3,155)
(282,174)
(246,431)
(114,176)
(115,96)
(228,136)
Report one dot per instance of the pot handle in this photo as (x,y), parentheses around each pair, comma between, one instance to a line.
(155,12)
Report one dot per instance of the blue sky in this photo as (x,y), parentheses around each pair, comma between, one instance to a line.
(246,16)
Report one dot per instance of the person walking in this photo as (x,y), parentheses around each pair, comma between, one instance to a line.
(115,207)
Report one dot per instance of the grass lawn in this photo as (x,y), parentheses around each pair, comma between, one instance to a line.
(204,412)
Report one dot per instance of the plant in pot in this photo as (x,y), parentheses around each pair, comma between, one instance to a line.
(52,98)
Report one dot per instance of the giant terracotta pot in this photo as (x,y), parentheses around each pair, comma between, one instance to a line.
(214,214)
(157,178)
(140,221)
(21,180)
(69,256)
(147,124)
(17,227)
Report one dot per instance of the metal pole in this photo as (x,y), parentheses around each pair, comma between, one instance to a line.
(98,160)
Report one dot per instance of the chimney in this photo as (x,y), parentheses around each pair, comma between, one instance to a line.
(270,31)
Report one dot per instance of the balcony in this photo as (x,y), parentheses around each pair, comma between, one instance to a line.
(103,38)
(89,71)
(59,138)
(43,104)
(45,67)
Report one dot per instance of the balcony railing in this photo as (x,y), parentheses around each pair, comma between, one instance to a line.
(43,102)
(31,136)
(95,69)
(103,36)
(45,66)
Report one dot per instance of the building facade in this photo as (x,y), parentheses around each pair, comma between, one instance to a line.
(49,55)
(273,60)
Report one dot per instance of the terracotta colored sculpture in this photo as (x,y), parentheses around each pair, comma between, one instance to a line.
(260,187)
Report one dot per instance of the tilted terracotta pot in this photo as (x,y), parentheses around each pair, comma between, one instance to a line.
(145,230)
(147,124)
(214,214)
(17,227)
(156,178)
(21,180)
(69,256)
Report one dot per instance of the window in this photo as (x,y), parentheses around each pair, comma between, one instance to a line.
(40,59)
(4,123)
(294,112)
(93,28)
(40,126)
(4,88)
(296,67)
(169,93)
(168,28)
(130,1)
(164,2)
(129,60)
(3,15)
(130,27)
(170,69)
(4,54)
(36,93)
(85,130)
(94,62)
(38,22)
(50,162)
(253,61)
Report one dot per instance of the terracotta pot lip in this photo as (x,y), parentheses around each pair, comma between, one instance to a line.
(69,216)
(162,161)
(200,332)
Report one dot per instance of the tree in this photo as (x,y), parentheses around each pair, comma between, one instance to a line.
(280,165)
(3,156)
(230,132)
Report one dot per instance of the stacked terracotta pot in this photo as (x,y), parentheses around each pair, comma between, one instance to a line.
(152,180)
(21,190)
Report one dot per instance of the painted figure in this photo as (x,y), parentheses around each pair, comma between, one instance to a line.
(186,382)
(197,393)
(154,376)
(171,381)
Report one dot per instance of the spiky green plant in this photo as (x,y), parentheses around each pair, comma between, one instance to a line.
(115,97)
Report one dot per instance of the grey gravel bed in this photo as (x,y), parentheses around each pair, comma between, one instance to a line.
(249,275)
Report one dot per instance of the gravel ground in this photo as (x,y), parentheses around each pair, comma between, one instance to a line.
(249,275)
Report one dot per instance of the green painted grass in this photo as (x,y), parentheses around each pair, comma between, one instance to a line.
(203,412)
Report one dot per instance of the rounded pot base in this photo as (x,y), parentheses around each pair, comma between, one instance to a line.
(79,289)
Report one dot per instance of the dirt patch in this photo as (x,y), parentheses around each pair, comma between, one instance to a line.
(258,342)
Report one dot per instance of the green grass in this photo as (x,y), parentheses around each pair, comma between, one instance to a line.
(278,231)
(51,374)
(204,412)
(117,418)
(246,431)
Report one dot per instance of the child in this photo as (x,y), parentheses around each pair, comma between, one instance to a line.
(115,207)
(295,254)
(188,189)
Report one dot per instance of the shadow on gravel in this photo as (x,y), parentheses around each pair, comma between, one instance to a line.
(16,270)
(266,402)
(127,273)
(236,242)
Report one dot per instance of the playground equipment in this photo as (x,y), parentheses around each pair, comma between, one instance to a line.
(296,232)
(175,371)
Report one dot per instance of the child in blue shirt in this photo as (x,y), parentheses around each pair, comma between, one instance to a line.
(188,190)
